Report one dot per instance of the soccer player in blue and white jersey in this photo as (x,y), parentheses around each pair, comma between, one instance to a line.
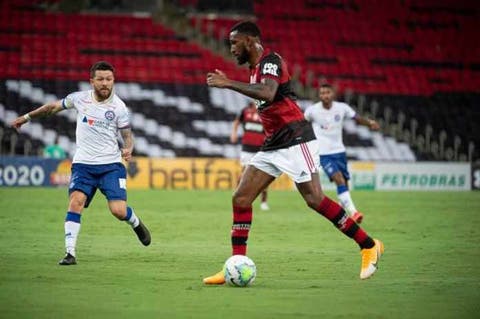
(97,163)
(327,117)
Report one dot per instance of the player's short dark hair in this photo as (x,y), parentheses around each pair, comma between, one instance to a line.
(102,66)
(247,28)
(326,86)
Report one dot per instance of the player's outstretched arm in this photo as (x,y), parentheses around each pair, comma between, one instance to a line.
(47,109)
(371,124)
(127,148)
(264,91)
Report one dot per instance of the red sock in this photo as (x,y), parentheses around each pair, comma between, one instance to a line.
(336,214)
(242,220)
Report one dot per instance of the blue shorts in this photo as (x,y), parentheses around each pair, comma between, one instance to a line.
(333,163)
(111,179)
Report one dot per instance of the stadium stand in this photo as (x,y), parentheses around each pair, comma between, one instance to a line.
(161,73)
(411,54)
(169,123)
(392,47)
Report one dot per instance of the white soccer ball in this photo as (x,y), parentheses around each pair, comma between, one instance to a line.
(239,271)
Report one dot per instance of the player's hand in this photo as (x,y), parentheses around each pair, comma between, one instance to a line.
(18,122)
(217,79)
(233,138)
(373,125)
(126,154)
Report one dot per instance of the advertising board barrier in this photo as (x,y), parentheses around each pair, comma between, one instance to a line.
(223,174)
(423,176)
(190,173)
(476,177)
(33,171)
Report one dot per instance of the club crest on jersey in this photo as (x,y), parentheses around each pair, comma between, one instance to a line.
(337,117)
(109,115)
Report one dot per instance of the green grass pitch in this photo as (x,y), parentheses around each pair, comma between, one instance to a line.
(306,268)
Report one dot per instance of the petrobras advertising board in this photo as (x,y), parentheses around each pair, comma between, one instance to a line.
(435,176)
(476,177)
(423,176)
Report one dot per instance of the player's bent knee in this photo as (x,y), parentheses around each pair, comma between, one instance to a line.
(118,208)
(312,204)
(77,201)
(314,201)
(119,214)
(241,200)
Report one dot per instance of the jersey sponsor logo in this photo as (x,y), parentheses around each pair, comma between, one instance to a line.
(95,123)
(270,68)
(109,115)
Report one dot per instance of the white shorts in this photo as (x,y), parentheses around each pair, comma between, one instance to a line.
(299,162)
(245,157)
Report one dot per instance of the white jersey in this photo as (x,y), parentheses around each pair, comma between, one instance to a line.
(328,125)
(97,127)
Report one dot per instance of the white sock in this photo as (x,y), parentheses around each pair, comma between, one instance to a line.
(71,233)
(131,218)
(347,202)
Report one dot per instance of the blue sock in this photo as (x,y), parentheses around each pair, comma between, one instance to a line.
(129,213)
(73,217)
(131,218)
(341,189)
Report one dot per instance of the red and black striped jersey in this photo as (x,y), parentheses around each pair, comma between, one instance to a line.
(282,119)
(253,134)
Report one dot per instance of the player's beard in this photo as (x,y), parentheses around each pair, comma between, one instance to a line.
(327,102)
(103,93)
(242,58)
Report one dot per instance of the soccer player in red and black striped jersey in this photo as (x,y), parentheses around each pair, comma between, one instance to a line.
(290,147)
(252,139)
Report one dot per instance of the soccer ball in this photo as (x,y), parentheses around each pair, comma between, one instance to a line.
(239,271)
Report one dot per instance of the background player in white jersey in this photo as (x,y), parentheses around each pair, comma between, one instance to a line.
(97,163)
(327,117)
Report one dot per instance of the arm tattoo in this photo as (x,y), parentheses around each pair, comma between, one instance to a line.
(127,138)
(260,91)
